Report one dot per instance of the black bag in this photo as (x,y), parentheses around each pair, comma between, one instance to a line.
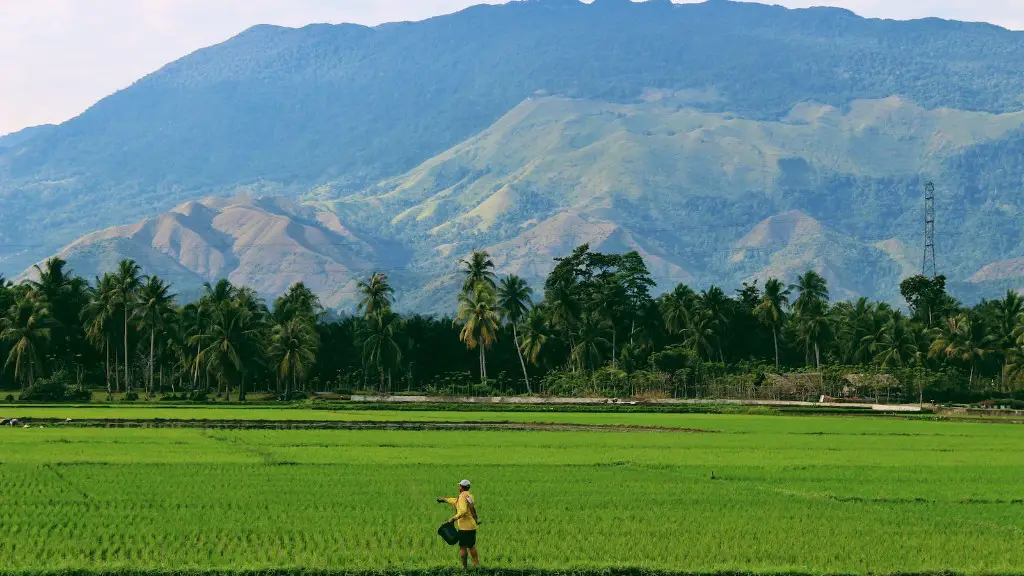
(448,532)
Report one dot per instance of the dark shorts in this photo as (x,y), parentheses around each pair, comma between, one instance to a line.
(467,538)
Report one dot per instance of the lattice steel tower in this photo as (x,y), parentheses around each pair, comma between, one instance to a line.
(928,267)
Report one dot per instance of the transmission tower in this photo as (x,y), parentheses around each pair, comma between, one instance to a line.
(928,267)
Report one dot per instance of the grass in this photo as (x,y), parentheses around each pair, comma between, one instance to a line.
(812,495)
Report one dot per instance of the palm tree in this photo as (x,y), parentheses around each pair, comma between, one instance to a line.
(715,303)
(231,345)
(379,346)
(896,344)
(1009,313)
(377,295)
(126,286)
(514,300)
(298,301)
(814,326)
(27,328)
(195,320)
(98,316)
(677,306)
(153,311)
(810,307)
(772,309)
(590,340)
(859,327)
(813,291)
(534,335)
(701,333)
(294,345)
(564,310)
(478,270)
(478,315)
(958,340)
(216,294)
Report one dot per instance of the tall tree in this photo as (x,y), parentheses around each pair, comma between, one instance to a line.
(99,317)
(478,270)
(896,345)
(590,340)
(771,310)
(957,340)
(298,301)
(293,347)
(514,300)
(377,295)
(1005,326)
(534,335)
(380,348)
(676,308)
(27,328)
(231,345)
(811,309)
(127,280)
(153,312)
(702,333)
(715,303)
(478,315)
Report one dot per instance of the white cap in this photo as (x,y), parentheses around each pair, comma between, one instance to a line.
(464,483)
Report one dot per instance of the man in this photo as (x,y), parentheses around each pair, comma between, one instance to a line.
(466,521)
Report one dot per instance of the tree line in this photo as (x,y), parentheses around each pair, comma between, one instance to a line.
(594,321)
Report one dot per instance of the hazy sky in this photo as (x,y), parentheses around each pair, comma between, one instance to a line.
(57,57)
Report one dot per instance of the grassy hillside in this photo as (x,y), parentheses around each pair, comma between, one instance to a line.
(267,244)
(276,111)
(707,197)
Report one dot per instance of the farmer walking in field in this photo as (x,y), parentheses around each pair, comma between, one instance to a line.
(465,520)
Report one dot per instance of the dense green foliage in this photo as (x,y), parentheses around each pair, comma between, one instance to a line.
(596,331)
(763,494)
(277,110)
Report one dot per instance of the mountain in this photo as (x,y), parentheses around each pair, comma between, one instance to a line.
(336,109)
(266,244)
(708,197)
(19,138)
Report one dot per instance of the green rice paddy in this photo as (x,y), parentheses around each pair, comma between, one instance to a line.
(759,494)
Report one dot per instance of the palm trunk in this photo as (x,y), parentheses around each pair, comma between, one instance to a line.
(572,346)
(483,364)
(152,340)
(117,373)
(127,383)
(615,359)
(515,339)
(775,337)
(817,356)
(17,372)
(106,347)
(241,389)
(195,374)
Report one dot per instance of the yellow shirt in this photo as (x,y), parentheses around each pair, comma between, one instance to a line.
(463,517)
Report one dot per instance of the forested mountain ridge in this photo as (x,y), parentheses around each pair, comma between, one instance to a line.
(280,111)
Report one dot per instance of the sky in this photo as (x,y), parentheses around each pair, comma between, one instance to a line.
(58,57)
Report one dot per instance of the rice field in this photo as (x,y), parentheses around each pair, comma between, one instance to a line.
(821,495)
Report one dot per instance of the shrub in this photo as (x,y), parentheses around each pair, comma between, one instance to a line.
(59,387)
(9,398)
(130,397)
(78,393)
